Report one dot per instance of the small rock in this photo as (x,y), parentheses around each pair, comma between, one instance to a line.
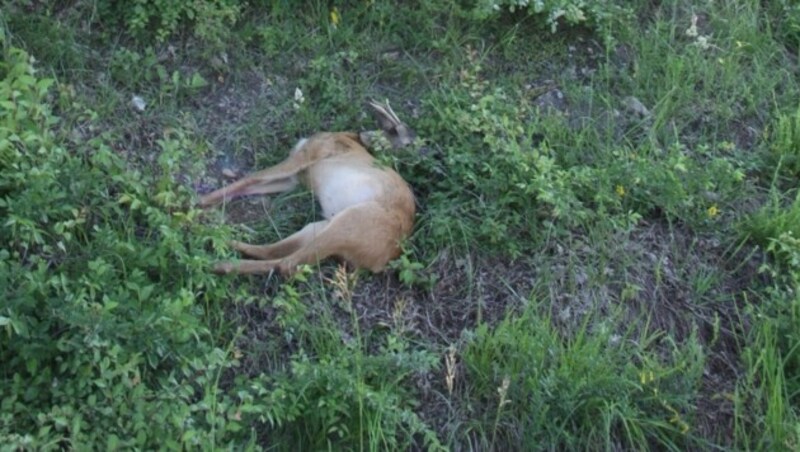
(623,56)
(77,135)
(138,103)
(229,173)
(551,101)
(634,105)
(392,55)
(220,62)
(298,98)
(570,73)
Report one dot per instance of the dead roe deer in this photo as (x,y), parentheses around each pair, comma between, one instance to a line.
(368,209)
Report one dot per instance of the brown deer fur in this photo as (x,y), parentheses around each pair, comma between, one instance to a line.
(368,209)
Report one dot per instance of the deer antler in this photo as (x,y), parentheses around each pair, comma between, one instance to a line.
(398,133)
(384,114)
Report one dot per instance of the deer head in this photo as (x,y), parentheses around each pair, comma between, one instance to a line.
(395,130)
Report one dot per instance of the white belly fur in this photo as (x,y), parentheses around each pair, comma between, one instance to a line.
(339,187)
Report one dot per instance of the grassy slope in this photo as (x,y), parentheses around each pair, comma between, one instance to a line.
(578,276)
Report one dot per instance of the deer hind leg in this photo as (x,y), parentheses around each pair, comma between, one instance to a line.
(284,247)
(363,235)
(270,257)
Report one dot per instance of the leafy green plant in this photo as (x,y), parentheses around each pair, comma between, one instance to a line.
(326,86)
(412,273)
(785,149)
(142,71)
(688,186)
(776,227)
(105,335)
(785,16)
(209,19)
(772,357)
(595,13)
(504,184)
(339,392)
(767,410)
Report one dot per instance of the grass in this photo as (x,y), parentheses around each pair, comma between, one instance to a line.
(605,256)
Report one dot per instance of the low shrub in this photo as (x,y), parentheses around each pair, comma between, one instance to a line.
(598,14)
(106,337)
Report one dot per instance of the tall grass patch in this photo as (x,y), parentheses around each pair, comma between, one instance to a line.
(534,388)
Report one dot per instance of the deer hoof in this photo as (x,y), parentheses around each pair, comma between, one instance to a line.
(287,269)
(223,268)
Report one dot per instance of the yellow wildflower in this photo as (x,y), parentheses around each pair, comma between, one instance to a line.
(620,190)
(676,418)
(335,16)
(646,376)
(712,211)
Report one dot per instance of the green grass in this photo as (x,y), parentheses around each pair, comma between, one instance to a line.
(582,275)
